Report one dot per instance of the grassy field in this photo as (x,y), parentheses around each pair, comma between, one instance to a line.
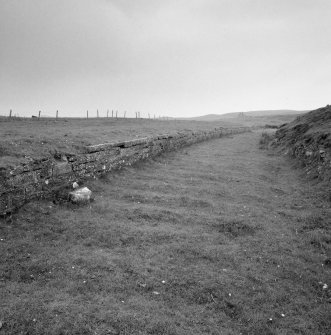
(218,238)
(23,139)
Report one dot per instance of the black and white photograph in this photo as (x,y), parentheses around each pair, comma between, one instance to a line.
(165,167)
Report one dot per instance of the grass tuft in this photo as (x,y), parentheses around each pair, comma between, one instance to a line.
(265,140)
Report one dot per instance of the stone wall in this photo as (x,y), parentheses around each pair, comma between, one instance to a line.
(41,178)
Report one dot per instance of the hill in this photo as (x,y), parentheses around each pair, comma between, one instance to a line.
(240,115)
(308,139)
(274,112)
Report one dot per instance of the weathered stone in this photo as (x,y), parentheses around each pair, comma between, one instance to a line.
(61,168)
(102,147)
(80,195)
(135,142)
(23,178)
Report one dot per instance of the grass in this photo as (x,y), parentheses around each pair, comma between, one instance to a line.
(265,139)
(25,139)
(219,238)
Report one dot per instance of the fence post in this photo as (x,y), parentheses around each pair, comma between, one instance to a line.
(57,114)
(10,113)
(39,115)
(97,112)
(87,114)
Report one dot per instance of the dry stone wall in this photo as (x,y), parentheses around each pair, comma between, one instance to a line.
(41,178)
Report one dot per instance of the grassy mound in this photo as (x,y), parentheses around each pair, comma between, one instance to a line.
(308,139)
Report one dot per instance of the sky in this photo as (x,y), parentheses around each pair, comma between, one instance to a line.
(176,58)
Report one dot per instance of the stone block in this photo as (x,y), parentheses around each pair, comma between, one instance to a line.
(102,147)
(60,168)
(80,195)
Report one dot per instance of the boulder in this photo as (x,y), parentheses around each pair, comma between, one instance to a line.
(80,195)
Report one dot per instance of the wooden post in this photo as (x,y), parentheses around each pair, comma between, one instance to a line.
(97,112)
(10,113)
(57,114)
(87,114)
(39,115)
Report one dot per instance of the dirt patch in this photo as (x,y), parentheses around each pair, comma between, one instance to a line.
(235,228)
(315,221)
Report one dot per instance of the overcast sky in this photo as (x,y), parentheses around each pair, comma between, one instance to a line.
(164,57)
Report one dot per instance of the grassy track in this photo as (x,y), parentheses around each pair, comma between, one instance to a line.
(219,238)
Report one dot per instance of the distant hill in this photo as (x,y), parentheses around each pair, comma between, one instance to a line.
(274,112)
(214,117)
(208,117)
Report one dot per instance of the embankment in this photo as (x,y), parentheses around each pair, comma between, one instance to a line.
(43,177)
(308,140)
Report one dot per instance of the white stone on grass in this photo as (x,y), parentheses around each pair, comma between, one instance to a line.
(80,195)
